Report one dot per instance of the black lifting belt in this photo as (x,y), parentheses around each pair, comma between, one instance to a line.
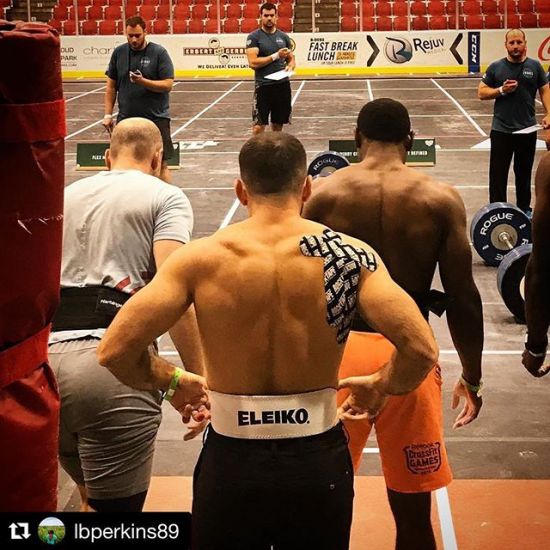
(89,307)
(433,301)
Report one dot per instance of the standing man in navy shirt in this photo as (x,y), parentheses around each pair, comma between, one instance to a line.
(269,51)
(513,82)
(141,73)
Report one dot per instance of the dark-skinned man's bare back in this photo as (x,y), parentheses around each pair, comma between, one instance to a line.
(416,224)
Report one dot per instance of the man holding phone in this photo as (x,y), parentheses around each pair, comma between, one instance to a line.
(141,74)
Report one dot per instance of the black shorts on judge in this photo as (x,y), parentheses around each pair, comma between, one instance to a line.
(163,124)
(286,494)
(274,99)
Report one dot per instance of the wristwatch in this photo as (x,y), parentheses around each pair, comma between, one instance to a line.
(538,352)
(472,387)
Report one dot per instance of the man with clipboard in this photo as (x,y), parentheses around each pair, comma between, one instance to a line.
(269,52)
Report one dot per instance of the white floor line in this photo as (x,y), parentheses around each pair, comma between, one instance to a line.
(461,109)
(446,519)
(371,451)
(229,216)
(369,88)
(85,93)
(191,120)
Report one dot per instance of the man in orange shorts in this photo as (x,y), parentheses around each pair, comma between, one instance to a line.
(416,225)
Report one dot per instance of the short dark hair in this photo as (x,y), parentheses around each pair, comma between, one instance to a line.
(273,163)
(384,120)
(134,21)
(50,531)
(268,6)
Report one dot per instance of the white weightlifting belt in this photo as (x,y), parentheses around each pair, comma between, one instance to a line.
(273,416)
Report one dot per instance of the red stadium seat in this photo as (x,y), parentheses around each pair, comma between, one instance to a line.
(88,27)
(163,11)
(450,7)
(542,6)
(348,23)
(249,25)
(180,26)
(471,7)
(182,11)
(528,20)
(149,2)
(384,24)
(489,6)
(525,6)
(65,3)
(513,21)
(436,7)
(473,21)
(255,2)
(544,19)
(285,24)
(60,13)
(383,8)
(112,2)
(95,13)
(231,26)
(285,10)
(419,23)
(348,10)
(113,12)
(368,9)
(438,22)
(108,26)
(251,11)
(81,11)
(148,12)
(198,11)
(233,11)
(69,27)
(55,24)
(369,24)
(211,26)
(418,8)
(196,26)
(400,23)
(399,9)
(161,26)
(509,6)
(493,21)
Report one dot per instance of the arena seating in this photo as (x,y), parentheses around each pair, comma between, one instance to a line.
(198,16)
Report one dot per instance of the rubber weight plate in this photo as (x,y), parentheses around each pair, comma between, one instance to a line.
(496,228)
(511,280)
(326,163)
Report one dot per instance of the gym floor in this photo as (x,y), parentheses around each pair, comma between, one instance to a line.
(501,493)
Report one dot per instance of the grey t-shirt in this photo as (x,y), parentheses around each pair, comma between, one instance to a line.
(516,110)
(133,99)
(268,44)
(111,221)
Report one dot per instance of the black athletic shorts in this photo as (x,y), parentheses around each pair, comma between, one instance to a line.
(286,493)
(274,99)
(163,124)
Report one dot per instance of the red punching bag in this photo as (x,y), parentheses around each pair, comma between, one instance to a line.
(32,130)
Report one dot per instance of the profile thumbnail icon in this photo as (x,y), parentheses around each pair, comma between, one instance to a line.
(51,531)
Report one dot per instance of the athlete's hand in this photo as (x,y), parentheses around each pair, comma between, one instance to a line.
(546,125)
(190,398)
(136,77)
(535,365)
(365,400)
(472,405)
(284,53)
(509,86)
(195,428)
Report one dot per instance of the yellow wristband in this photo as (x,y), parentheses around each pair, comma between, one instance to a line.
(173,384)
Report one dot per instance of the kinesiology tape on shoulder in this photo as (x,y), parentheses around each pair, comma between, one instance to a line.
(342,271)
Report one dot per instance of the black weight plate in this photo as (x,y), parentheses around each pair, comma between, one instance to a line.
(493,221)
(510,277)
(326,163)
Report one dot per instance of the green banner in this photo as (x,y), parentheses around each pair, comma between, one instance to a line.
(421,154)
(91,156)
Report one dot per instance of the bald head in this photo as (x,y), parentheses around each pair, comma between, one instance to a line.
(135,138)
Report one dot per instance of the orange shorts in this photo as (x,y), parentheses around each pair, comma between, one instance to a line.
(409,429)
